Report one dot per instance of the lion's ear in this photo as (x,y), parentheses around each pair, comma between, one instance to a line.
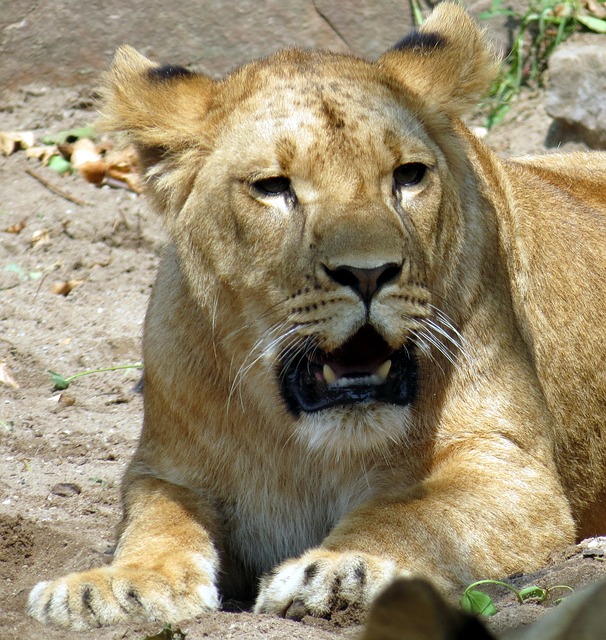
(448,61)
(159,108)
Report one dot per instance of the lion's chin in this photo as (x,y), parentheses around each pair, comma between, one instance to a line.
(347,431)
(363,371)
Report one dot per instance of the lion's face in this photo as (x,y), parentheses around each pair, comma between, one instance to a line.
(318,218)
(308,218)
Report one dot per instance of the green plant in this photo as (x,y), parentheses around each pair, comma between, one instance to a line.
(545,25)
(70,135)
(62,382)
(417,13)
(168,633)
(99,481)
(480,603)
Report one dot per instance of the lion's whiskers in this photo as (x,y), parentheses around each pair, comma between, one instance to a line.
(440,333)
(242,369)
(257,353)
(290,354)
(253,323)
(213,324)
(461,342)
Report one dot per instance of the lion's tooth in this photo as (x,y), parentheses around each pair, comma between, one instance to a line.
(329,375)
(383,370)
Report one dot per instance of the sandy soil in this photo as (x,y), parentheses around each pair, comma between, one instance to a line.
(62,454)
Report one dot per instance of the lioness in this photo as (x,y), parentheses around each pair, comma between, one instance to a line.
(372,348)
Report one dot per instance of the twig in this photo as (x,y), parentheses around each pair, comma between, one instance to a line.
(56,190)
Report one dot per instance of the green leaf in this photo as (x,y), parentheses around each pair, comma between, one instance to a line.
(477,602)
(496,9)
(494,13)
(15,268)
(417,13)
(60,165)
(58,380)
(559,586)
(70,135)
(594,24)
(532,591)
(101,481)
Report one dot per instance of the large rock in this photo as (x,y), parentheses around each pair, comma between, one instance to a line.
(69,43)
(576,93)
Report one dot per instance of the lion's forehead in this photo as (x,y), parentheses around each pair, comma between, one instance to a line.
(357,118)
(327,97)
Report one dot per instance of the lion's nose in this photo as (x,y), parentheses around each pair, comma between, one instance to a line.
(365,282)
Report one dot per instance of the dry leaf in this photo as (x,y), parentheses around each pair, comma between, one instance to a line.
(123,156)
(83,151)
(64,287)
(65,149)
(597,9)
(39,237)
(116,168)
(104,146)
(124,168)
(17,227)
(94,172)
(129,180)
(6,377)
(11,141)
(560,11)
(43,153)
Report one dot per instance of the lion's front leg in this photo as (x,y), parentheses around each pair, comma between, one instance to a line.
(165,567)
(477,516)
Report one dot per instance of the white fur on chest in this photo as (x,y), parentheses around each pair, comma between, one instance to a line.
(265,527)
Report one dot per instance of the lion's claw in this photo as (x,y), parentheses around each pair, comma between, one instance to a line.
(322,582)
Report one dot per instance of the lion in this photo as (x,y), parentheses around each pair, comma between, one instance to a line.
(373,348)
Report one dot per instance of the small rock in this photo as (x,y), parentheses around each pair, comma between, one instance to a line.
(7,377)
(594,547)
(576,89)
(66,489)
(66,400)
(479,132)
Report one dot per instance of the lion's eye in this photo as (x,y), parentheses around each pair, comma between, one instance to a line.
(409,175)
(277,186)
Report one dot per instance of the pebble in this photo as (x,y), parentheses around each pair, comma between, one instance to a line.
(594,547)
(66,489)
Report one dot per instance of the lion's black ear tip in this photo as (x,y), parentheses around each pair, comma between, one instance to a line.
(168,72)
(418,39)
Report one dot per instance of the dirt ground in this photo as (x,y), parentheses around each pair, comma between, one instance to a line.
(62,454)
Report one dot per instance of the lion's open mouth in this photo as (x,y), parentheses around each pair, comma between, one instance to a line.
(364,369)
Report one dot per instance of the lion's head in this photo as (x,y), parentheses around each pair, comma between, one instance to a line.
(317,203)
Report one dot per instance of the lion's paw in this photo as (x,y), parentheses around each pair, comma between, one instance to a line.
(113,594)
(322,582)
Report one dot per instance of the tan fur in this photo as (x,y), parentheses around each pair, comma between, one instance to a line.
(414,610)
(501,286)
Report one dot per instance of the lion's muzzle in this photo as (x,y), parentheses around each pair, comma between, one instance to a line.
(364,369)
